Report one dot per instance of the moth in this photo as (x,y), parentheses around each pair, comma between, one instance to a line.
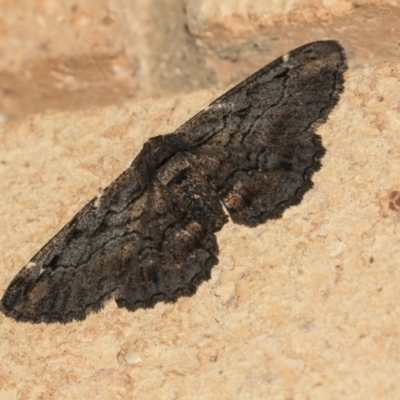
(150,235)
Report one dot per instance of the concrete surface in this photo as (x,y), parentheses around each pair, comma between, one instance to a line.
(305,307)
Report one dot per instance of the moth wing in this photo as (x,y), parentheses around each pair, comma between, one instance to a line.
(75,272)
(140,242)
(257,144)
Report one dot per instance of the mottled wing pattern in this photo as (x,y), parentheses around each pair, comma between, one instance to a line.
(177,246)
(258,147)
(75,272)
(150,236)
(139,242)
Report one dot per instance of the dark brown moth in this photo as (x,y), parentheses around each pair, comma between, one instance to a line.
(149,236)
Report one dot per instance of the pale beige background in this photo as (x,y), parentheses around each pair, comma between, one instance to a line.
(305,307)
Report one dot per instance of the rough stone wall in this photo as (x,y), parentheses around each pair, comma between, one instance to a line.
(72,55)
(304,307)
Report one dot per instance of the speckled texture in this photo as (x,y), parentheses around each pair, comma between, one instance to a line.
(306,306)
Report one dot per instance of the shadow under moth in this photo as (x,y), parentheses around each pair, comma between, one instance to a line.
(150,235)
